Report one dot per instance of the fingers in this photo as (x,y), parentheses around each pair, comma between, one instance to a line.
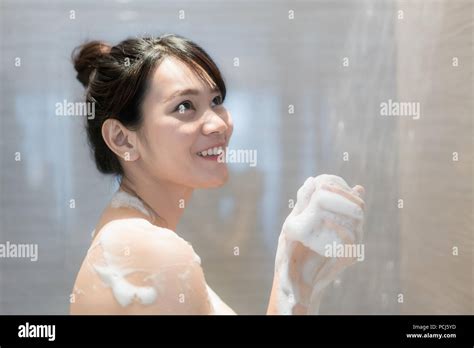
(354,225)
(352,197)
(329,211)
(329,232)
(331,180)
(345,223)
(336,201)
(359,190)
(303,196)
(345,236)
(333,211)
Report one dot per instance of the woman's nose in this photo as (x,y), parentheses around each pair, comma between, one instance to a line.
(214,124)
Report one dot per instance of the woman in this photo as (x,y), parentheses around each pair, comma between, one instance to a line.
(161,127)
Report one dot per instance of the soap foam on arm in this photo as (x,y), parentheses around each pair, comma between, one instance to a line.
(134,267)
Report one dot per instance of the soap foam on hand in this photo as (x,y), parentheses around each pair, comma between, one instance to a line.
(316,205)
(327,210)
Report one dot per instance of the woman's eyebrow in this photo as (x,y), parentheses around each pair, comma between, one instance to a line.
(187,91)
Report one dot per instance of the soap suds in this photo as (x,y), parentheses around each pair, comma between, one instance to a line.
(125,292)
(112,272)
(114,267)
(185,275)
(123,199)
(305,224)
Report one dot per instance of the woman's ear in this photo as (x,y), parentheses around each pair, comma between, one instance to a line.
(121,140)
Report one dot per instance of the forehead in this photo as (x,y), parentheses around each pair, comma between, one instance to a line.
(172,75)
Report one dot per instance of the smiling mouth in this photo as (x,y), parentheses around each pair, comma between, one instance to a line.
(211,153)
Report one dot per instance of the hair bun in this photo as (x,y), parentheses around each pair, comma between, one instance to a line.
(85,58)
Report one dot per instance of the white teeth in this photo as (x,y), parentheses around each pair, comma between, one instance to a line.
(212,151)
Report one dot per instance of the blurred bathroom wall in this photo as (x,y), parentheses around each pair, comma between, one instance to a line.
(331,63)
(434,58)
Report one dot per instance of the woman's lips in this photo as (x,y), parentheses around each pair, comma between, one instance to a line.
(212,153)
(209,157)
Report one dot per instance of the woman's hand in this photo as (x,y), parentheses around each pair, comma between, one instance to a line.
(327,213)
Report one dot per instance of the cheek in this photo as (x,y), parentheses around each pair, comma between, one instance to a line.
(171,140)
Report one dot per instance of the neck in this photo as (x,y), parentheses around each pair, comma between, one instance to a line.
(166,199)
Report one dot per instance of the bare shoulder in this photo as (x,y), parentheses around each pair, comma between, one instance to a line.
(134,267)
(147,245)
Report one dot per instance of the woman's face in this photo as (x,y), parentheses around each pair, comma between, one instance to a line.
(182,117)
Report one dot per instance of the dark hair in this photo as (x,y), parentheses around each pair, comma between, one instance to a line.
(116,79)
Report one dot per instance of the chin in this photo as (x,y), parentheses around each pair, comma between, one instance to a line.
(215,182)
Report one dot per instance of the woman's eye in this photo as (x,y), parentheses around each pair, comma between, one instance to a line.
(217,100)
(186,105)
